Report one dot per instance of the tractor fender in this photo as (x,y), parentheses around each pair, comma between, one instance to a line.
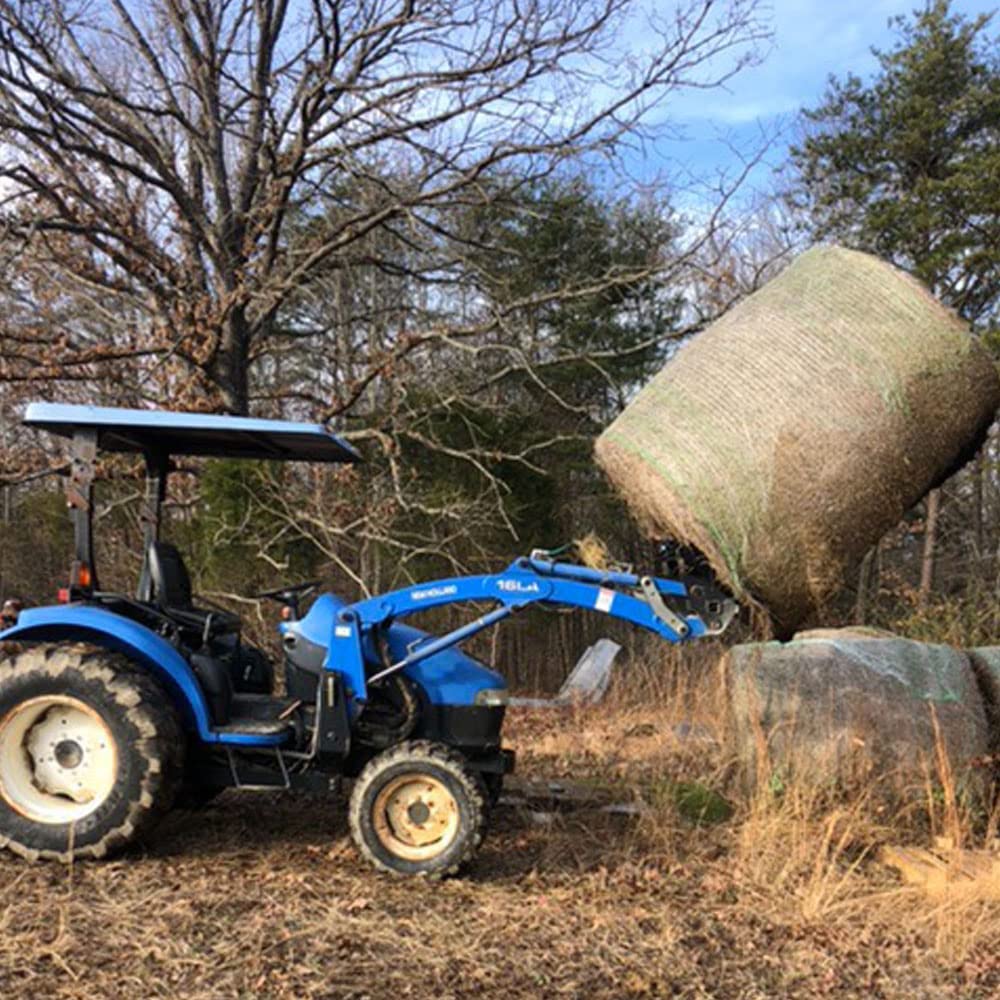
(82,623)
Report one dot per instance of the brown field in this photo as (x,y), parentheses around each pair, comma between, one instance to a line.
(263,895)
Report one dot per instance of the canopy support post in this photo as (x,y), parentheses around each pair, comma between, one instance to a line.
(80,500)
(157,470)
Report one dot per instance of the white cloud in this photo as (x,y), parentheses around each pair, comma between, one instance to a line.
(812,40)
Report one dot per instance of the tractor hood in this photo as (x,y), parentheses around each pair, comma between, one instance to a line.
(450,677)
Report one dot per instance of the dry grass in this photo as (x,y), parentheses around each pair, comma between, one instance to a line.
(264,896)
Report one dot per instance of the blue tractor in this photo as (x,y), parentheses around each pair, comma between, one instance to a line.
(114,707)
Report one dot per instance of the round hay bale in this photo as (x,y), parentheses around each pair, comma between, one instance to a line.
(986,663)
(840,707)
(789,436)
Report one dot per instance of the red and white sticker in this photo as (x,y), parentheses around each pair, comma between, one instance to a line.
(605,598)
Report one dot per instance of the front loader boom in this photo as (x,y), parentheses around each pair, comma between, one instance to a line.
(676,610)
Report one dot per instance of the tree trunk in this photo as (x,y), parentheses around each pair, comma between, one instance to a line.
(930,545)
(229,370)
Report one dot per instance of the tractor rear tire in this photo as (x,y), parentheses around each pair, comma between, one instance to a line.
(418,809)
(91,752)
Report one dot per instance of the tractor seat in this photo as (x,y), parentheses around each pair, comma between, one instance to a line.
(167,585)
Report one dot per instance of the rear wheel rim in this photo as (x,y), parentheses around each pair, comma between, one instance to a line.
(58,759)
(416,817)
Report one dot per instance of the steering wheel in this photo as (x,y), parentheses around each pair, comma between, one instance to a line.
(286,595)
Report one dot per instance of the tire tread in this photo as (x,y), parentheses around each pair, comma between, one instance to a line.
(146,706)
(415,751)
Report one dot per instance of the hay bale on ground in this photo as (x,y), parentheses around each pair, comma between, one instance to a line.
(843,707)
(986,663)
(789,436)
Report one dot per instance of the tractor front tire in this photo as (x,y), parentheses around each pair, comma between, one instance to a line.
(418,809)
(91,752)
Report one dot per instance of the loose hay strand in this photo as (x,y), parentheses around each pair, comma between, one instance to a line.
(592,551)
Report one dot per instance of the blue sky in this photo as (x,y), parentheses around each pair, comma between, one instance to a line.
(811,40)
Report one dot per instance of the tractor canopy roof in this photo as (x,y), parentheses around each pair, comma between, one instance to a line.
(161,432)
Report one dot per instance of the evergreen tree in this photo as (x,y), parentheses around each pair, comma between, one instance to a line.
(907,164)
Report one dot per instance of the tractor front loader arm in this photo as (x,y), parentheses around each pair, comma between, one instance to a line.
(675,610)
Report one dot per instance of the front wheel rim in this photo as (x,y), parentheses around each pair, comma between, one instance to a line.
(416,817)
(58,759)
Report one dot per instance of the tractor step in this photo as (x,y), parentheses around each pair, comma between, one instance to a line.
(261,706)
(255,727)
(259,715)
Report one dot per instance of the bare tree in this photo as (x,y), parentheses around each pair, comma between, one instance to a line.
(156,156)
(743,248)
(535,341)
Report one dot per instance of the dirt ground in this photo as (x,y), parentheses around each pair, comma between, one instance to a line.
(262,895)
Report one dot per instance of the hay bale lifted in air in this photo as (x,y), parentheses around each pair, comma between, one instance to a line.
(789,436)
(840,706)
